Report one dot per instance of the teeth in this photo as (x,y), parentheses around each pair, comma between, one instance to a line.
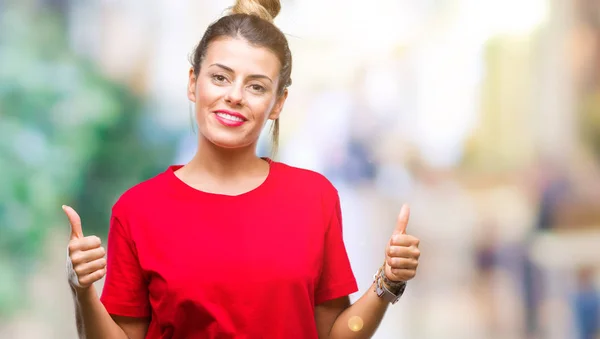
(229,117)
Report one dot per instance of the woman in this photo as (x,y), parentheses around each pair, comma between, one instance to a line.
(232,245)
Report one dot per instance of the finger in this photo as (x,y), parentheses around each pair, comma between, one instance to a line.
(402,222)
(91,278)
(84,244)
(90,267)
(81,257)
(75,222)
(404,240)
(402,274)
(403,252)
(402,263)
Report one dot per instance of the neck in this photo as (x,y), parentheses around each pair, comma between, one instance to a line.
(221,162)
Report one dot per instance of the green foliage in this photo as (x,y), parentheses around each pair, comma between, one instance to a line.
(68,135)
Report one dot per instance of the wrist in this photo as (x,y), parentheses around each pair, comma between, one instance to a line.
(391,284)
(83,295)
(387,289)
(392,288)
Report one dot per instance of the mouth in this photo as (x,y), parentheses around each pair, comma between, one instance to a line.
(229,115)
(229,118)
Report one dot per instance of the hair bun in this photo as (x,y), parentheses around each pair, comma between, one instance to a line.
(264,9)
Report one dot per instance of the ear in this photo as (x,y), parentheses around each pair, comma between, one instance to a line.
(278,107)
(191,90)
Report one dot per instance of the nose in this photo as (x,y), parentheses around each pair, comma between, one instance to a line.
(235,96)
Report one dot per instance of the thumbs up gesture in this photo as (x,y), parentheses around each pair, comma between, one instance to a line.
(402,252)
(85,255)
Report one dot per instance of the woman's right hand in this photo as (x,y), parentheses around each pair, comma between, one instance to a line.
(86,263)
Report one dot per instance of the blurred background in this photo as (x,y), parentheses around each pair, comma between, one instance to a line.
(483,115)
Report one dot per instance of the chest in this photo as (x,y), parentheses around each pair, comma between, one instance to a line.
(211,245)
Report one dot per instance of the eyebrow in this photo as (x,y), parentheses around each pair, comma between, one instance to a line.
(252,76)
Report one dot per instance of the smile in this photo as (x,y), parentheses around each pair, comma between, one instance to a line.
(230,119)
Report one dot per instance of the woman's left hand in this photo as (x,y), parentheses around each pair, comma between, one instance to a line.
(402,252)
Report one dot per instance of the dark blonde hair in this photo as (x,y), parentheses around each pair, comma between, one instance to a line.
(252,20)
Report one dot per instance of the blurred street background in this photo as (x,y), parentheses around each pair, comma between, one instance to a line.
(483,115)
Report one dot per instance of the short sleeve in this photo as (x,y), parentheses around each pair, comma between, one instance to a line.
(125,291)
(336,279)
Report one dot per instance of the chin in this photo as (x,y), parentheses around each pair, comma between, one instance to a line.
(229,141)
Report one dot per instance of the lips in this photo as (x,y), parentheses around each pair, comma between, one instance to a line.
(229,118)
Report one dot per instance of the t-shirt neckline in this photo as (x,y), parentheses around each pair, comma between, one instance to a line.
(189,190)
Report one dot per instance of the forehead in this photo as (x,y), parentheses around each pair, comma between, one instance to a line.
(242,57)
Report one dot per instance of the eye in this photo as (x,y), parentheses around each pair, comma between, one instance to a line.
(219,78)
(257,88)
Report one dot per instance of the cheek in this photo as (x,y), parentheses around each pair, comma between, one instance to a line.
(206,95)
(261,107)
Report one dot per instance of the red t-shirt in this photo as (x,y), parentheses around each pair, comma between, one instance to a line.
(205,265)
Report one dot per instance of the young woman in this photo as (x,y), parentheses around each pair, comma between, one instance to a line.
(232,245)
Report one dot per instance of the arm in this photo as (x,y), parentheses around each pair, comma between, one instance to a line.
(86,265)
(338,319)
(93,321)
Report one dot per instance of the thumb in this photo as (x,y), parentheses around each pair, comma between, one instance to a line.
(402,222)
(75,222)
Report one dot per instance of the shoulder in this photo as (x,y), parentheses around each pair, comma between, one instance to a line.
(305,180)
(142,195)
(304,176)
